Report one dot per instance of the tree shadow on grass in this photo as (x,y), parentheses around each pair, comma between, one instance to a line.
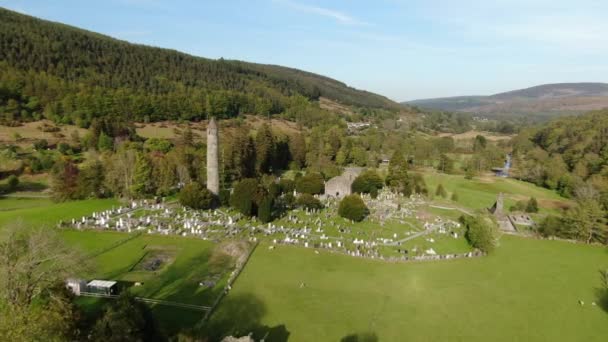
(602,292)
(602,298)
(360,337)
(241,315)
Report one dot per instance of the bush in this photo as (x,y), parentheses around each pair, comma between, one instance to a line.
(353,208)
(224,197)
(287,185)
(532,206)
(311,183)
(12,183)
(441,191)
(64,148)
(518,206)
(552,226)
(41,144)
(195,196)
(243,196)
(309,201)
(455,197)
(480,232)
(265,209)
(367,182)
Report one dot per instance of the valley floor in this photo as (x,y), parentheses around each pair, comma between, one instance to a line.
(529,290)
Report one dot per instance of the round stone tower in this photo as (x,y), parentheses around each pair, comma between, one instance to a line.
(213,163)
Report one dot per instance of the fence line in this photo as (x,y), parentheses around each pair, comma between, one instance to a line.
(114,245)
(228,286)
(150,301)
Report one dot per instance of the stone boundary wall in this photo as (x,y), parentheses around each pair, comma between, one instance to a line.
(393,259)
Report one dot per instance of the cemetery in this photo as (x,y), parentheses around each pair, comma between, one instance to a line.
(397,229)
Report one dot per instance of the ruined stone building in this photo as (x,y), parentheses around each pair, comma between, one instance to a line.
(340,186)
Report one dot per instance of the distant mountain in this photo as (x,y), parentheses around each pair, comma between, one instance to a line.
(72,74)
(547,99)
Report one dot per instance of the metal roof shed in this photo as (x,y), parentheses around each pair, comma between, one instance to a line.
(102,286)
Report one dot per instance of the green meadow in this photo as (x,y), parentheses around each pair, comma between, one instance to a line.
(480,193)
(529,290)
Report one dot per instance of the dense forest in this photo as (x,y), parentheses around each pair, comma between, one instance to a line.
(570,155)
(71,75)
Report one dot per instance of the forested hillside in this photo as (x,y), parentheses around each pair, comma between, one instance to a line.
(566,154)
(71,75)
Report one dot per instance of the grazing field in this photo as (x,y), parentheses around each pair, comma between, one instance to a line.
(168,267)
(529,290)
(44,212)
(184,263)
(481,192)
(32,131)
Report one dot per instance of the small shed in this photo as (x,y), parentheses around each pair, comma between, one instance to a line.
(76,285)
(107,287)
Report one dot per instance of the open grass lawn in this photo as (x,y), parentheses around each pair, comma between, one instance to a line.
(44,212)
(176,280)
(527,291)
(481,193)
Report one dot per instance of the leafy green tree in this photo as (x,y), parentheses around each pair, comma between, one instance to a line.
(12,182)
(143,185)
(105,143)
(244,195)
(311,183)
(158,145)
(480,232)
(34,263)
(532,206)
(552,226)
(445,165)
(125,319)
(308,201)
(195,196)
(287,185)
(353,208)
(64,180)
(91,180)
(588,221)
(367,182)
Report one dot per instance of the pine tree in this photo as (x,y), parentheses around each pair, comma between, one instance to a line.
(264,148)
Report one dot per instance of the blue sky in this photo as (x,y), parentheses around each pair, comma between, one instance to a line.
(404,49)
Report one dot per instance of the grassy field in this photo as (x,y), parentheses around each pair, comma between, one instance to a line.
(176,280)
(527,291)
(44,212)
(481,192)
(187,260)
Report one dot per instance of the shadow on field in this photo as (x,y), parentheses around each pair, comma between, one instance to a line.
(360,337)
(602,298)
(241,315)
(602,293)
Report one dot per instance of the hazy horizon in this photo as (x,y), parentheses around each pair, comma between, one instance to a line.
(404,50)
